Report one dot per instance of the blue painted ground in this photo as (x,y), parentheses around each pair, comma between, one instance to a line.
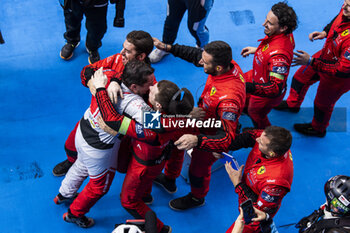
(42,99)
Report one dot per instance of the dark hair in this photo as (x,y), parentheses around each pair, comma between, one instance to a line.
(142,41)
(221,53)
(136,72)
(280,139)
(286,16)
(169,96)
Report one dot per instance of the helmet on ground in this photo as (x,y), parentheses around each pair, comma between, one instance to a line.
(337,190)
(127,228)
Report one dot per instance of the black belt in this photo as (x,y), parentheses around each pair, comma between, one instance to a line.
(153,162)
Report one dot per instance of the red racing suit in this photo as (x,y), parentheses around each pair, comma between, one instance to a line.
(222,99)
(330,66)
(265,181)
(98,152)
(266,82)
(150,151)
(114,64)
(146,164)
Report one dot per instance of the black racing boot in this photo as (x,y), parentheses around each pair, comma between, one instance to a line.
(308,130)
(62,168)
(83,221)
(283,106)
(186,202)
(168,184)
(59,199)
(147,199)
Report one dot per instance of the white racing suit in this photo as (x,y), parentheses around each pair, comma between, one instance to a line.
(97,154)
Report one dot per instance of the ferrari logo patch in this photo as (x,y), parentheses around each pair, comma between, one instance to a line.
(261,170)
(265,47)
(241,77)
(290,156)
(345,33)
(213,91)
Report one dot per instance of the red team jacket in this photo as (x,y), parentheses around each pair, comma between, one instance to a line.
(271,64)
(265,181)
(223,98)
(335,54)
(113,62)
(270,179)
(149,144)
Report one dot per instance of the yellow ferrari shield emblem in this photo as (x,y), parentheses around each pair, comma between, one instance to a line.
(213,91)
(265,47)
(241,77)
(290,156)
(345,33)
(261,170)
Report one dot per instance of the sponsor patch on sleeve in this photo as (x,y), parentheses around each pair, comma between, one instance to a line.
(229,107)
(278,76)
(229,116)
(139,130)
(274,191)
(269,198)
(280,69)
(347,54)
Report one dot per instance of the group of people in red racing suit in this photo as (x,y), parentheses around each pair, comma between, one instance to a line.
(330,66)
(149,150)
(228,92)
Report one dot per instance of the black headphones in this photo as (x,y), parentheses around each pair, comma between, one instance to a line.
(182,102)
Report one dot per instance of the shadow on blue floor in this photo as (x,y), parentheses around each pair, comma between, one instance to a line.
(42,99)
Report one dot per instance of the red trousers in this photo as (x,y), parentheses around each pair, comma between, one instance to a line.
(69,145)
(173,165)
(258,107)
(137,184)
(200,172)
(124,153)
(91,193)
(329,90)
(303,78)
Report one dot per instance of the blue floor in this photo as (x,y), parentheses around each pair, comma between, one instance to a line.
(43,99)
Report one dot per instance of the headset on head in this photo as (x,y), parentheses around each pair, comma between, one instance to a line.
(182,102)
